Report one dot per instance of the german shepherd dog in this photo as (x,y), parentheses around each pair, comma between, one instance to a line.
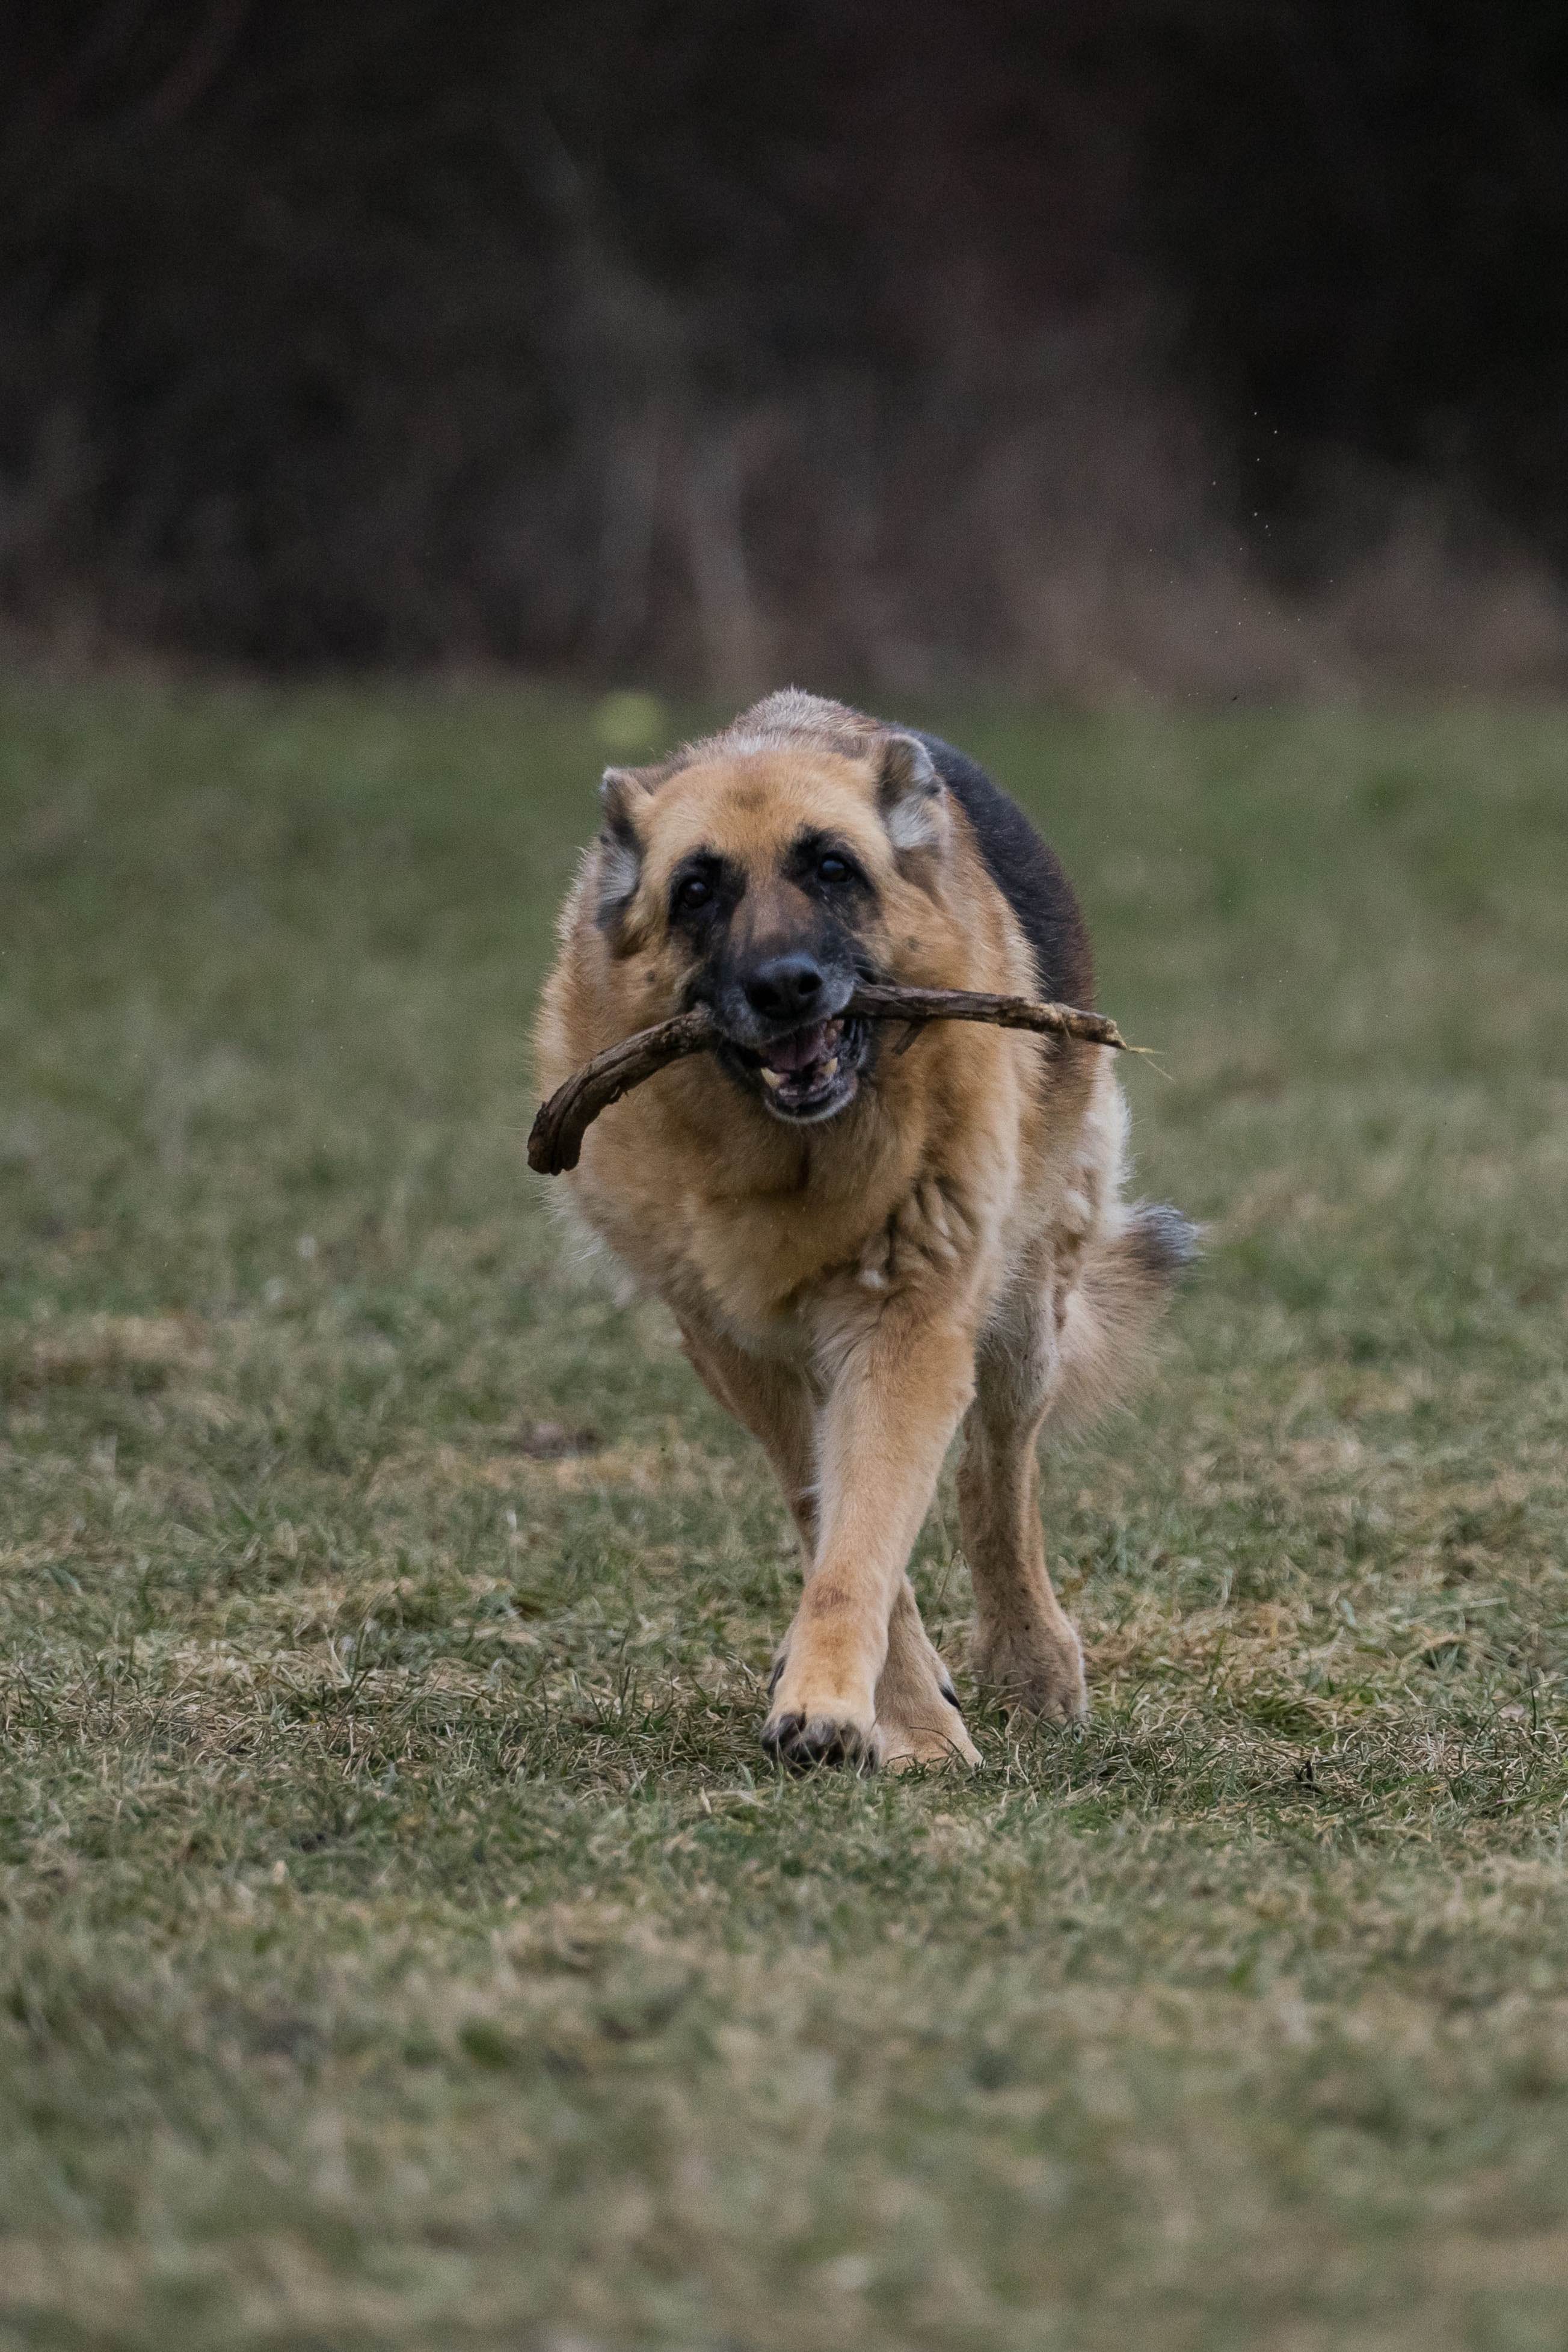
(864,1246)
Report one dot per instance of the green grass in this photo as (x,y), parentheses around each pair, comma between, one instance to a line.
(402,1940)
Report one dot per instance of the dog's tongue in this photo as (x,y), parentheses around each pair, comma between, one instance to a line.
(802,1047)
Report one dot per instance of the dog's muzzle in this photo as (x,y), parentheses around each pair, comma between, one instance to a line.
(805,1075)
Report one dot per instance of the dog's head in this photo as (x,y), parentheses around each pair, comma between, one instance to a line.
(766,883)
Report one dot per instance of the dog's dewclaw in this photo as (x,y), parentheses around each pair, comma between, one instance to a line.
(556,1139)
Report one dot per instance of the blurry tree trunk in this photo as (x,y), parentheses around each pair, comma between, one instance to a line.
(731,628)
(633,470)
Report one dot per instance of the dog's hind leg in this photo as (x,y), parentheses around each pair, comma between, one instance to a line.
(917,1718)
(775,1403)
(1024,1646)
(1068,1344)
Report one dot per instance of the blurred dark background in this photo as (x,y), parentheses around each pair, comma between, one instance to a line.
(1181,346)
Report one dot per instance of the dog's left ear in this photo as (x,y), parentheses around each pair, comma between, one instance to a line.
(624,794)
(910,795)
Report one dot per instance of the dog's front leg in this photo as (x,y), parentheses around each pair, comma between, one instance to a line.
(899,1392)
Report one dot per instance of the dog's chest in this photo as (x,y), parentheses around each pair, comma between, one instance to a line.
(758,1259)
(746,1257)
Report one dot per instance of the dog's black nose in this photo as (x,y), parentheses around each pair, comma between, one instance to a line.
(785,988)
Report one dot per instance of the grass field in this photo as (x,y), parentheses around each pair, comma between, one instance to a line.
(405,1943)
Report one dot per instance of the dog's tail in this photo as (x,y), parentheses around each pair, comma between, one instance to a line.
(1129,1271)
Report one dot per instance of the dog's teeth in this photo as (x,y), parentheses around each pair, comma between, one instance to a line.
(830,1069)
(772,1077)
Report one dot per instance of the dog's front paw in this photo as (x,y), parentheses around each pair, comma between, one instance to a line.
(1044,1675)
(815,1731)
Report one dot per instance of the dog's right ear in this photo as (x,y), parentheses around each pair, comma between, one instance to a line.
(910,795)
(622,793)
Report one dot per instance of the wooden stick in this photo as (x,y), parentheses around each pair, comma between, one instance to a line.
(555,1142)
(916,1004)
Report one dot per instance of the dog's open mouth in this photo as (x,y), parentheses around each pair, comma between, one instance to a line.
(809,1073)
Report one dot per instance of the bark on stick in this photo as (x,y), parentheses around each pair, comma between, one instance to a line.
(556,1141)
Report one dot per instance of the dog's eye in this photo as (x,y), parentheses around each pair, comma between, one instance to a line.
(832,869)
(692,892)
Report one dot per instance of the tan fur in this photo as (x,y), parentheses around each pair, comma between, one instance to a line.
(954,1243)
